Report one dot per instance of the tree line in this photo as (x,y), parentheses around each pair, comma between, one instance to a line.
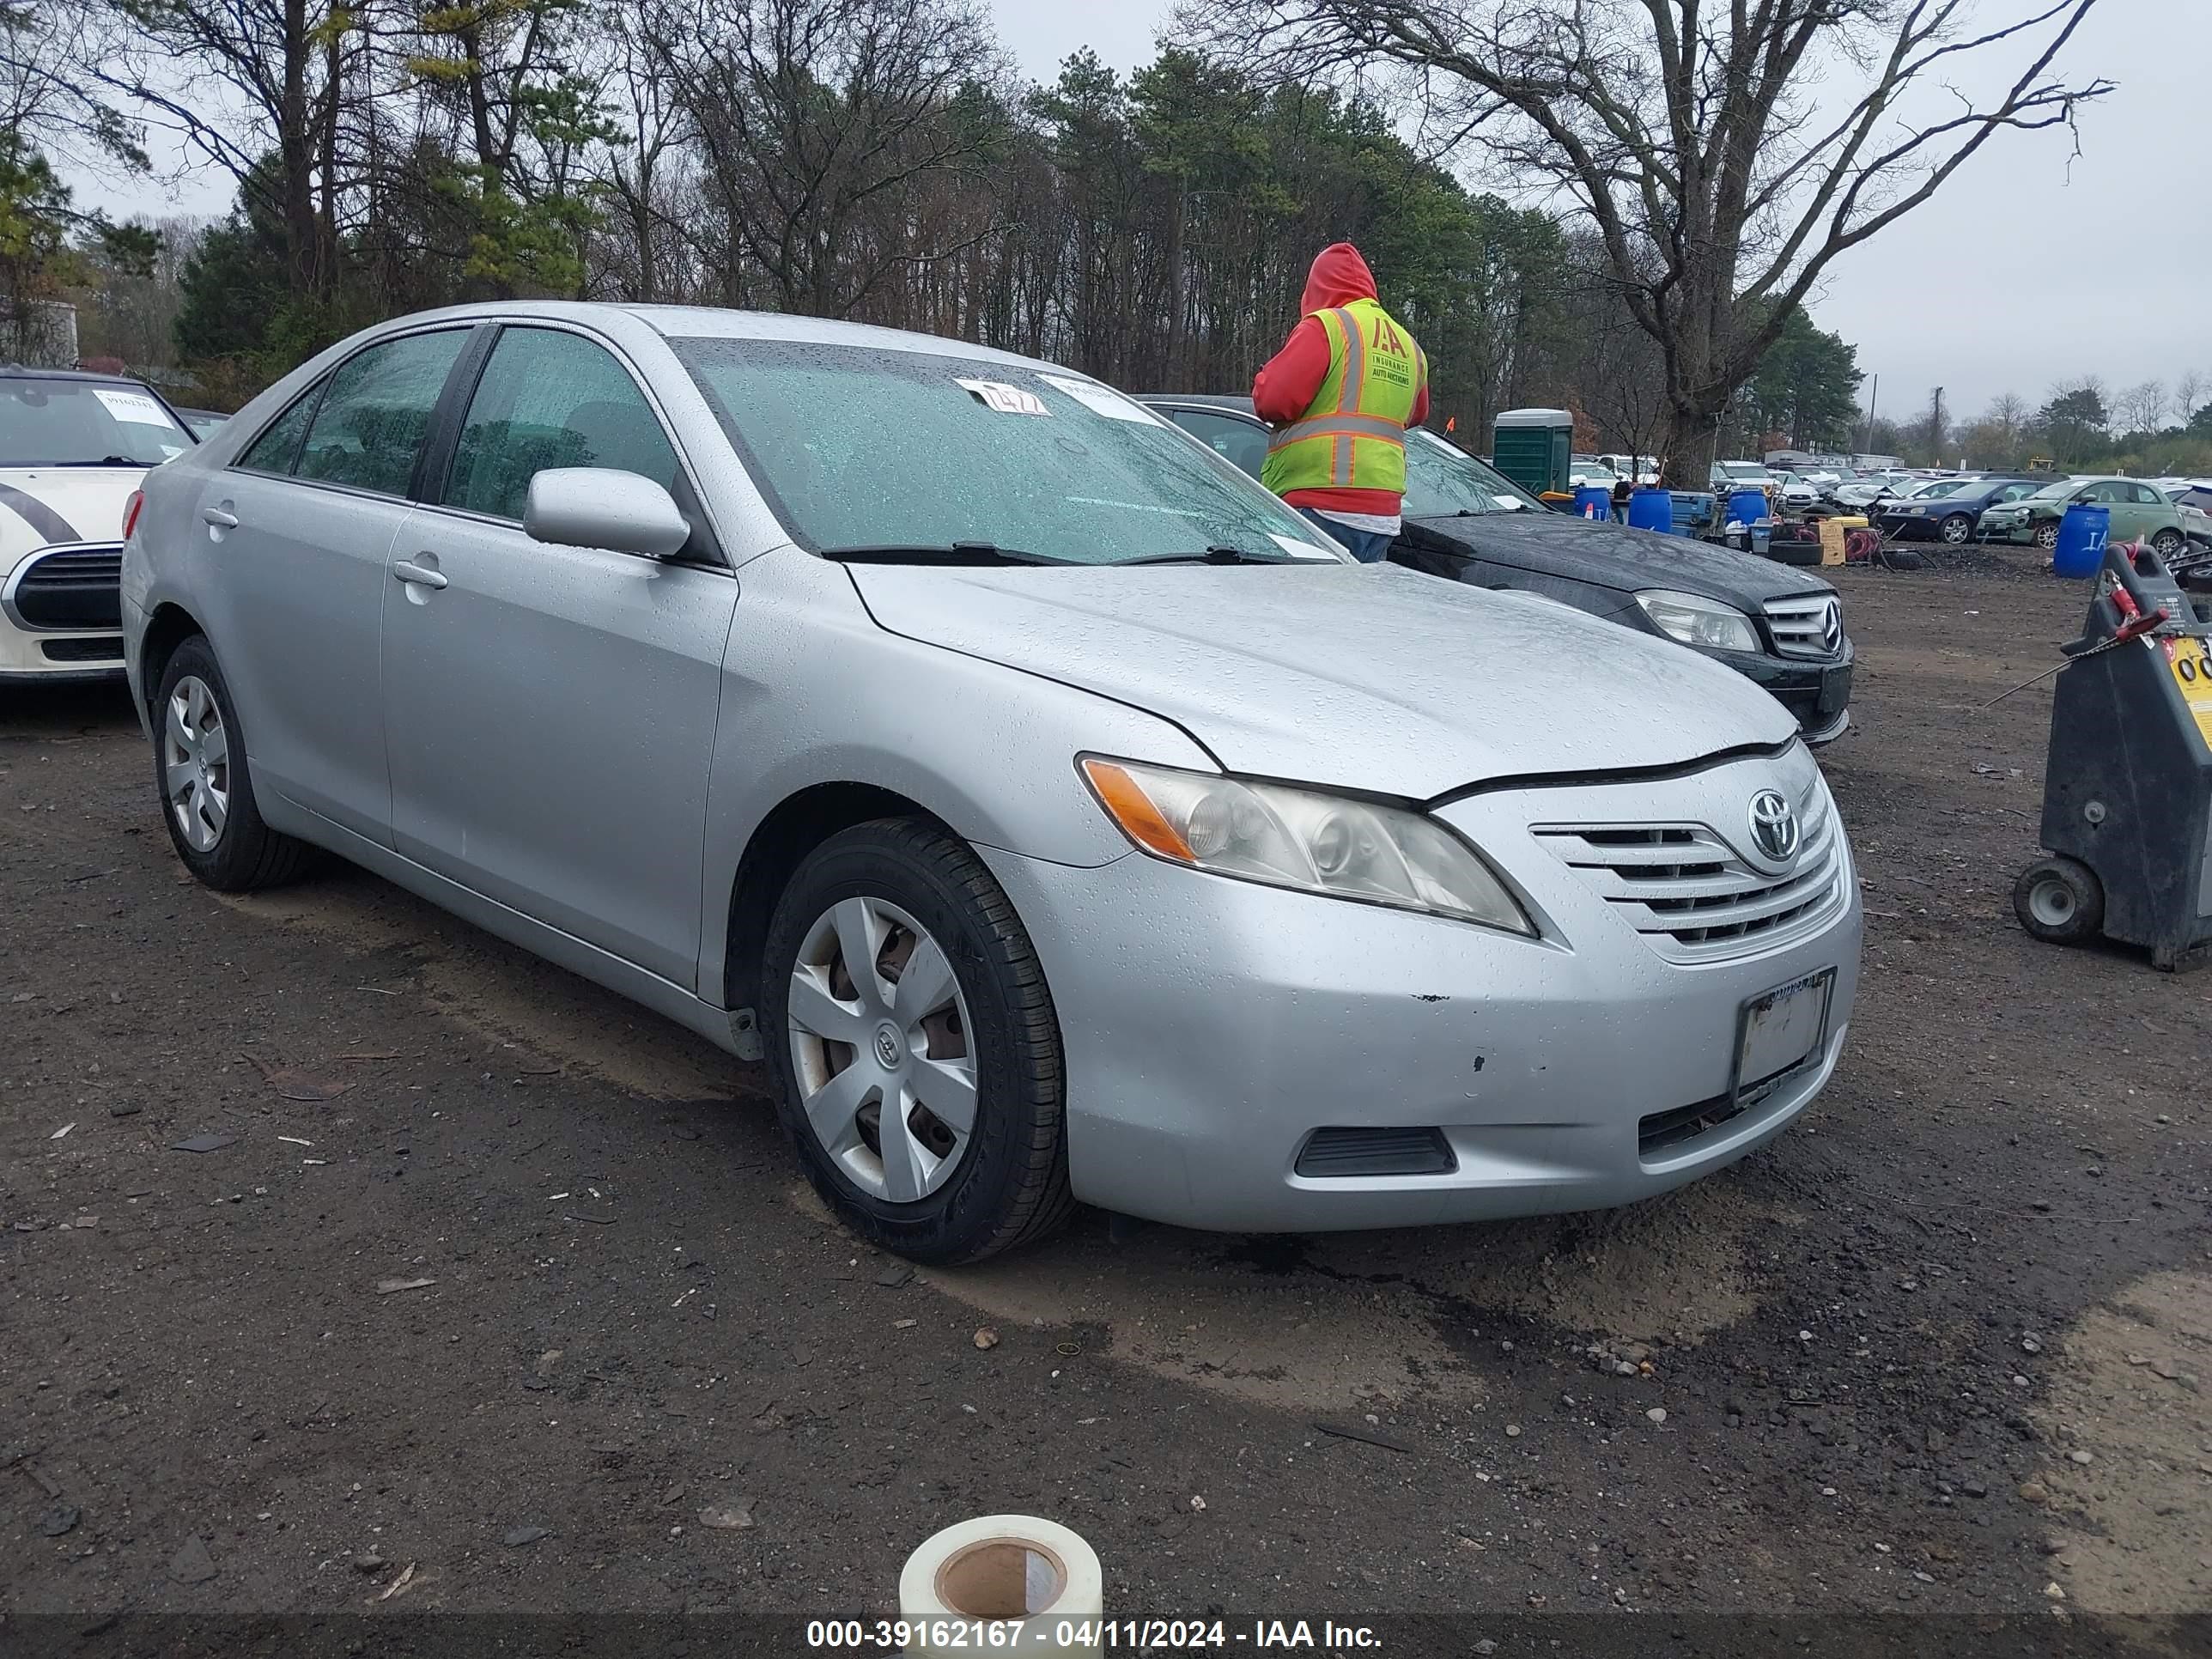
(880,160)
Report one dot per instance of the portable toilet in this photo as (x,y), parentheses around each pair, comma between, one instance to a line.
(1535,449)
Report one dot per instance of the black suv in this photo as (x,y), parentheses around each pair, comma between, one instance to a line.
(1468,522)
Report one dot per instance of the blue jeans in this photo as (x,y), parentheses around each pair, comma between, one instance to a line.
(1368,546)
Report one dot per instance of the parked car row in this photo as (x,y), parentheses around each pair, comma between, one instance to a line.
(1045,836)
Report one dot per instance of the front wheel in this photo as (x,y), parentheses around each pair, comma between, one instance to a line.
(2046,535)
(2169,542)
(2059,900)
(915,1049)
(1956,529)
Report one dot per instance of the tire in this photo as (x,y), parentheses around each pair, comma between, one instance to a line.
(943,1199)
(2046,534)
(2169,542)
(1956,530)
(215,826)
(2059,900)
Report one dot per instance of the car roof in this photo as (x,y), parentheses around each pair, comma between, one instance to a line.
(78,376)
(717,322)
(1233,401)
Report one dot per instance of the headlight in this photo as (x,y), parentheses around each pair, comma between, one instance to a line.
(1302,839)
(1694,621)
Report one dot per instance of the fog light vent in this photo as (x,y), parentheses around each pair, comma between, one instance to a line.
(1340,1152)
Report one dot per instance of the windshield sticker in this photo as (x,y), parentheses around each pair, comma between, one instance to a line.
(1100,400)
(1006,399)
(1301,550)
(133,406)
(1510,503)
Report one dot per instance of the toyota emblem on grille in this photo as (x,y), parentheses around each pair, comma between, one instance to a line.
(1831,627)
(1774,826)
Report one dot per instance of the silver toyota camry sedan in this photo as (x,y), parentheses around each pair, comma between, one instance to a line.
(1055,813)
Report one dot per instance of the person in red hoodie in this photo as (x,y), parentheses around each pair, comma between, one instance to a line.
(1339,397)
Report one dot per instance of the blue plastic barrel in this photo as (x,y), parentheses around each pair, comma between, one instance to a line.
(1746,506)
(1593,501)
(2082,532)
(1652,508)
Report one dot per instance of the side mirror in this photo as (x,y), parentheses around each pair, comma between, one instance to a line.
(598,506)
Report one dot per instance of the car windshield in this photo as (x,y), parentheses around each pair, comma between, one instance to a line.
(1940,487)
(1442,481)
(51,423)
(861,449)
(1744,469)
(2056,492)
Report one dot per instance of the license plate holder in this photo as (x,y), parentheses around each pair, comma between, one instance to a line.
(1835,688)
(1781,1030)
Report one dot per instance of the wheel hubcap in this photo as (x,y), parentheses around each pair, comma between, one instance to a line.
(2053,901)
(1954,531)
(879,1045)
(195,764)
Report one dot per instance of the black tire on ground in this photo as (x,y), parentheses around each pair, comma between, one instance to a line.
(1794,552)
(2059,900)
(2046,535)
(247,854)
(2169,542)
(1902,558)
(1956,530)
(1010,1187)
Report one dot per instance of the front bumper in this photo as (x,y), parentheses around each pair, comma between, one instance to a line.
(44,656)
(1817,691)
(2018,531)
(1211,1026)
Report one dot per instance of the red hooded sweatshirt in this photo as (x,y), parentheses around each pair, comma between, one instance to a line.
(1284,390)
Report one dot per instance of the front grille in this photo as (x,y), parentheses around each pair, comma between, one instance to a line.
(1375,1152)
(97,648)
(1693,897)
(78,587)
(1664,1131)
(1812,626)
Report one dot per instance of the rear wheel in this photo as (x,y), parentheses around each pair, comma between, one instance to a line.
(2059,900)
(2169,542)
(206,787)
(1956,529)
(916,1053)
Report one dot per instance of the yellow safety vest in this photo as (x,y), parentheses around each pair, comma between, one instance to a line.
(1353,435)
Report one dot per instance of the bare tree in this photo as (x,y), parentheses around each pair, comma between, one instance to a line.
(819,121)
(286,63)
(2191,388)
(1691,134)
(2141,407)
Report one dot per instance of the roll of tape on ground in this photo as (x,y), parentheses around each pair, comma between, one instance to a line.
(1005,1567)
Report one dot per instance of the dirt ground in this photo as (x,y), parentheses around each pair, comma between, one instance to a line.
(501,1297)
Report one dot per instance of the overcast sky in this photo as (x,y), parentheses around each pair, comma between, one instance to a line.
(2028,269)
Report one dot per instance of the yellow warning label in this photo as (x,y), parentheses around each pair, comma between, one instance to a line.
(2191,668)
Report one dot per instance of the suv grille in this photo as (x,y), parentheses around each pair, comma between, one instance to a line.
(1693,897)
(79,588)
(1812,626)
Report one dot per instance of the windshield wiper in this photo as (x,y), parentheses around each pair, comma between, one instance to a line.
(983,553)
(1218,554)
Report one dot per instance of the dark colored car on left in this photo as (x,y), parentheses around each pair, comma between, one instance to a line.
(1774,623)
(1954,517)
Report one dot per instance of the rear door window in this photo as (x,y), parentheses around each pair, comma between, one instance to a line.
(370,429)
(549,398)
(277,447)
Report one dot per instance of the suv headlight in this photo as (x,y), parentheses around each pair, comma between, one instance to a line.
(1693,621)
(1302,839)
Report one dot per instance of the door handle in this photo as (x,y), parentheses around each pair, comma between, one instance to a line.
(220,520)
(416,574)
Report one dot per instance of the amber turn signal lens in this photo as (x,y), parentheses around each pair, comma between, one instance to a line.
(1127,803)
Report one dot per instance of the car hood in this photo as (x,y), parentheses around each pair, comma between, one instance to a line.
(41,505)
(1614,555)
(1361,677)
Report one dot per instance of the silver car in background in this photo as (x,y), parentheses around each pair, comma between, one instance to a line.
(1058,816)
